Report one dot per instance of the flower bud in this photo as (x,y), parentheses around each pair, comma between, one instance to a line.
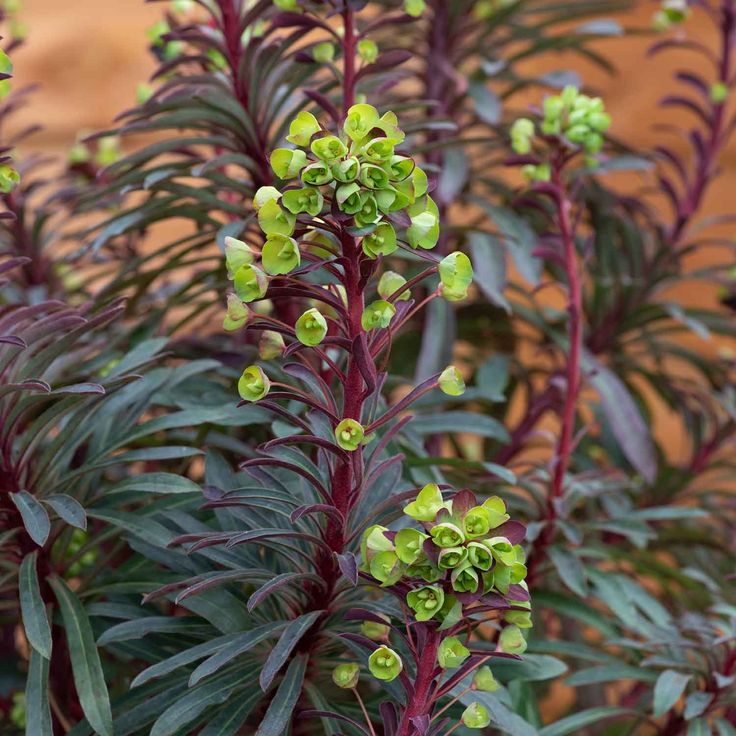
(384,664)
(512,640)
(346,675)
(287,5)
(311,328)
(484,680)
(323,53)
(456,275)
(237,314)
(451,653)
(719,92)
(377,315)
(522,133)
(389,283)
(451,382)
(414,7)
(367,50)
(349,434)
(476,716)
(253,384)
(374,631)
(271,345)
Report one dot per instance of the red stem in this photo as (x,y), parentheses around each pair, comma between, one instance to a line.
(349,47)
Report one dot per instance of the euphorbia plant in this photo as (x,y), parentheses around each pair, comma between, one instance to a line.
(351,197)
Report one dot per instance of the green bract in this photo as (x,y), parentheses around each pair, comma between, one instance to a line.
(389,283)
(456,275)
(9,178)
(317,174)
(323,52)
(451,382)
(427,504)
(480,556)
(522,133)
(451,653)
(385,664)
(501,549)
(237,254)
(250,283)
(328,148)
(377,315)
(465,579)
(452,557)
(346,675)
(280,255)
(346,170)
(379,150)
(265,194)
(476,716)
(512,640)
(522,619)
(288,162)
(253,384)
(415,7)
(311,328)
(360,120)
(496,509)
(386,567)
(374,631)
(373,177)
(426,601)
(367,50)
(237,313)
(409,545)
(484,680)
(275,221)
(307,200)
(424,231)
(477,522)
(447,535)
(302,128)
(381,242)
(349,434)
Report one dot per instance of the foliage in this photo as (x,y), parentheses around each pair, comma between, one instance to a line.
(350,181)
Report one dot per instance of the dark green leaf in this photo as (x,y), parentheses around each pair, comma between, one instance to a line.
(285,646)
(668,690)
(278,715)
(35,518)
(38,713)
(68,509)
(33,610)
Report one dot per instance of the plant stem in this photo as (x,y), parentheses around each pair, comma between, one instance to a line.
(451,703)
(349,47)
(365,712)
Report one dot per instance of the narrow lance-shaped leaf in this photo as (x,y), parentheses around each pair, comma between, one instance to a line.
(33,609)
(86,666)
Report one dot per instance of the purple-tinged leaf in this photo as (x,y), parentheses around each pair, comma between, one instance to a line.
(348,564)
(290,637)
(324,102)
(333,716)
(80,388)
(14,340)
(274,585)
(514,531)
(421,724)
(317,508)
(390,717)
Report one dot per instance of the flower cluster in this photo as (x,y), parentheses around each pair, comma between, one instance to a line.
(466,554)
(578,119)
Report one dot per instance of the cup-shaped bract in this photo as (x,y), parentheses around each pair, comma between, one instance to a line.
(346,675)
(451,382)
(385,664)
(484,680)
(253,384)
(409,543)
(302,128)
(280,255)
(306,199)
(237,254)
(456,275)
(426,602)
(452,557)
(465,579)
(424,231)
(250,283)
(236,315)
(476,715)
(349,434)
(286,163)
(271,345)
(446,534)
(511,640)
(328,148)
(311,328)
(317,174)
(389,283)
(273,220)
(360,121)
(426,505)
(377,315)
(381,242)
(451,653)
